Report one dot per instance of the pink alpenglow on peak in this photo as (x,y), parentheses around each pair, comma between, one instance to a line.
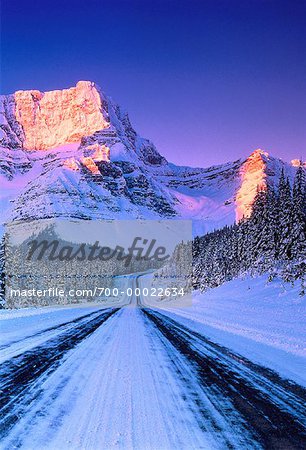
(50,119)
(253,177)
(298,163)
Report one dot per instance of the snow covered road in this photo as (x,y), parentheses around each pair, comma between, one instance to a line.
(134,378)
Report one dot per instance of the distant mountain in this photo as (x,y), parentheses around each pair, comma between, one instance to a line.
(73,153)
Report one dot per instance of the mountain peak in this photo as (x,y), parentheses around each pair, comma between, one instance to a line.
(259,152)
(102,169)
(59,117)
(253,176)
(298,163)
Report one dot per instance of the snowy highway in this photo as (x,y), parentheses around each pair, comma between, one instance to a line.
(131,377)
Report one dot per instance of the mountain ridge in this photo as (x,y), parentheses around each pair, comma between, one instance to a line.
(112,172)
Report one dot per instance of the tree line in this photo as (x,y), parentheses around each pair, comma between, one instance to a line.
(272,239)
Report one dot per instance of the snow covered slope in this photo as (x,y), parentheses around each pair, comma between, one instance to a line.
(74,154)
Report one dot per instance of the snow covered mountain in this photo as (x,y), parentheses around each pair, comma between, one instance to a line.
(73,153)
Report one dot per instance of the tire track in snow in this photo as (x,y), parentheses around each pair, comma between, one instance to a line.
(215,414)
(118,389)
(272,408)
(19,346)
(20,374)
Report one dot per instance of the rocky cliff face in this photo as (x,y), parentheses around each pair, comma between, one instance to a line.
(258,171)
(253,176)
(59,117)
(74,154)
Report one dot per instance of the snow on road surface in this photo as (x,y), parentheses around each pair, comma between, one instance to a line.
(136,378)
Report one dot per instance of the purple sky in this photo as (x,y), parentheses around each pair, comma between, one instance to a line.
(206,81)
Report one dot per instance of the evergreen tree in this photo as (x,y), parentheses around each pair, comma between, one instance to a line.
(298,216)
(284,220)
(299,191)
(272,240)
